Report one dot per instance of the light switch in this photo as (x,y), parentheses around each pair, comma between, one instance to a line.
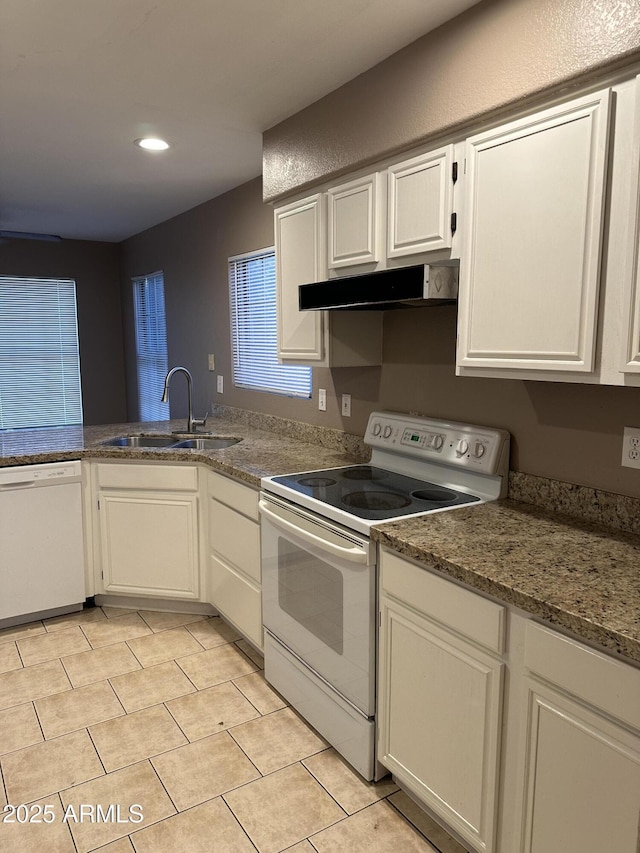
(212,361)
(220,384)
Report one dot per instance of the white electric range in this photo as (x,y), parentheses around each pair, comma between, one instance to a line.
(319,577)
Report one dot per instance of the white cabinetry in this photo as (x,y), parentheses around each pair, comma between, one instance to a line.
(300,259)
(420,204)
(235,580)
(533,240)
(630,337)
(579,763)
(148,530)
(317,338)
(440,696)
(520,740)
(353,222)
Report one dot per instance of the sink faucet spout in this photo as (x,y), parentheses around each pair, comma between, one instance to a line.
(192,423)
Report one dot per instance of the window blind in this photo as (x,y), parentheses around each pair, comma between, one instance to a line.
(151,346)
(252,285)
(39,355)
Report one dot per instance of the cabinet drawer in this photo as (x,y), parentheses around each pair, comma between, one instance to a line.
(235,538)
(237,599)
(238,496)
(460,610)
(603,682)
(149,476)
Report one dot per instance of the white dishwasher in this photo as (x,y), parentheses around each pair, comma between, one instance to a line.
(41,541)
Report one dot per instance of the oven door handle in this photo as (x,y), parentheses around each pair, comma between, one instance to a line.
(354,555)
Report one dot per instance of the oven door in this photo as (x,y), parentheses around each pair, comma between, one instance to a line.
(319,597)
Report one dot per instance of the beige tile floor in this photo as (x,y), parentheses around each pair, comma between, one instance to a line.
(156,732)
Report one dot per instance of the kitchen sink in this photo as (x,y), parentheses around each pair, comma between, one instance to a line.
(141,441)
(207,443)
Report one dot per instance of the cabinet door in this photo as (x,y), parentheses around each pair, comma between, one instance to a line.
(439,714)
(419,205)
(582,791)
(300,259)
(353,222)
(533,235)
(631,304)
(149,543)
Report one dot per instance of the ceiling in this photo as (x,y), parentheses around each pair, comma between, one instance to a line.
(81,79)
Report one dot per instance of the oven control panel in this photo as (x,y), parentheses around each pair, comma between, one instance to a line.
(482,449)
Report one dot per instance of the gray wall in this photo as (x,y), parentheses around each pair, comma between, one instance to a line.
(95,268)
(497,54)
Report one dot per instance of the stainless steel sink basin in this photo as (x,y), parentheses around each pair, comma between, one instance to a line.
(142,441)
(207,443)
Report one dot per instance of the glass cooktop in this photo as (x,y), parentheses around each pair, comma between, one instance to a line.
(373,493)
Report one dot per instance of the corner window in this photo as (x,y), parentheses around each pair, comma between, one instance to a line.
(151,346)
(39,354)
(252,290)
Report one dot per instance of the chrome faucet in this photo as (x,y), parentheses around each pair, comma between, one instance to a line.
(192,423)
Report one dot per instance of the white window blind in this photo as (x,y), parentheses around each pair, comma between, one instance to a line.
(39,355)
(252,285)
(151,346)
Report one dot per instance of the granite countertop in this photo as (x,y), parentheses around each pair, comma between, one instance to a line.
(569,573)
(572,574)
(261,452)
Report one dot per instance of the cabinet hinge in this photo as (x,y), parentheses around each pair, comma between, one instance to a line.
(454,222)
(454,171)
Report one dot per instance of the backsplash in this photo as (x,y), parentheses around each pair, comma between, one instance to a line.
(332,439)
(616,512)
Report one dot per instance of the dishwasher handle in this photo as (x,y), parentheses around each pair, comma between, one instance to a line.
(18,484)
(355,554)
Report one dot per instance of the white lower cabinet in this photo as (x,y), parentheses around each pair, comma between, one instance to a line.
(149,532)
(235,587)
(518,741)
(578,769)
(440,696)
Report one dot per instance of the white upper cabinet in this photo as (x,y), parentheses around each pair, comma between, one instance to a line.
(533,240)
(300,259)
(353,222)
(631,301)
(420,204)
(316,338)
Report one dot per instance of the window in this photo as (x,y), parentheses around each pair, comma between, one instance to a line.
(151,346)
(252,285)
(39,355)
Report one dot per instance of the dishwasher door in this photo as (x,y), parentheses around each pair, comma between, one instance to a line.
(41,540)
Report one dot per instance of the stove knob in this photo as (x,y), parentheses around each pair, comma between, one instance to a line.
(376,428)
(437,441)
(386,432)
(463,447)
(479,450)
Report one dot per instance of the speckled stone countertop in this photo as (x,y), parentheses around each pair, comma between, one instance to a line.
(261,452)
(570,573)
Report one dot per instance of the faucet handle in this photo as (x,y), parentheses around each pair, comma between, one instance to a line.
(197,422)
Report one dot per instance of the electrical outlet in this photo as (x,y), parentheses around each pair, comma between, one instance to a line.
(346,405)
(212,362)
(322,399)
(631,447)
(220,384)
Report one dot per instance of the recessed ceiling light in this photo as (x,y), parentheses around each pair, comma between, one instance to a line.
(152,144)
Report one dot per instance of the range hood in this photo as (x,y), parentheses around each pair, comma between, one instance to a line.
(405,287)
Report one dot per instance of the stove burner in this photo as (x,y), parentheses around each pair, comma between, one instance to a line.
(433,494)
(376,500)
(316,482)
(364,472)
